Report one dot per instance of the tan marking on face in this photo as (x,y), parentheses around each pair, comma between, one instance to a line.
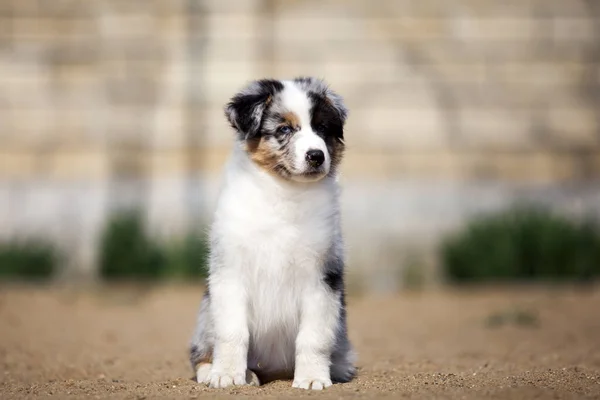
(291,119)
(262,154)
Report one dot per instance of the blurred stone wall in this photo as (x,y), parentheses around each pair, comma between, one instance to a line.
(457,107)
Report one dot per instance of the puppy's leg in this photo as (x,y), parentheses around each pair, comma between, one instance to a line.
(228,311)
(203,342)
(316,338)
(343,356)
(202,346)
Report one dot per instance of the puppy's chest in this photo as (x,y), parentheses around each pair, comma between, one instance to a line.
(283,245)
(284,249)
(275,236)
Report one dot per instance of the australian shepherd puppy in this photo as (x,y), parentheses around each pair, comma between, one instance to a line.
(275,307)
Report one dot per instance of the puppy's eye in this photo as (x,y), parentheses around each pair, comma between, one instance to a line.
(322,128)
(285,130)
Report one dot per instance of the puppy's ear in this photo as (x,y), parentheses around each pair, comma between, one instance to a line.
(337,103)
(334,104)
(246,109)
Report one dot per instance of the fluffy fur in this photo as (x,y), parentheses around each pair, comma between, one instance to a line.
(275,304)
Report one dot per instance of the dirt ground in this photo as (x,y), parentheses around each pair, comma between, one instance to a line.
(131,343)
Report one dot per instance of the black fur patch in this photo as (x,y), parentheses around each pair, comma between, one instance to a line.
(325,120)
(334,275)
(334,280)
(328,122)
(246,109)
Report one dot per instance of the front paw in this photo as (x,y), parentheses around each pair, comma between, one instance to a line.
(219,380)
(311,383)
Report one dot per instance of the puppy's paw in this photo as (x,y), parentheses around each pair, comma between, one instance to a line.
(203,373)
(343,373)
(252,378)
(217,380)
(311,383)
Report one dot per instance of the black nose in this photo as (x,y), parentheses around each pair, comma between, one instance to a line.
(315,158)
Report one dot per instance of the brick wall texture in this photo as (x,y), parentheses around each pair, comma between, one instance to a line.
(109,92)
(449,88)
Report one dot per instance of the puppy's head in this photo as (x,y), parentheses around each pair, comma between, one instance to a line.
(293,129)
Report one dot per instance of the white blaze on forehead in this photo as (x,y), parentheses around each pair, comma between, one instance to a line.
(296,100)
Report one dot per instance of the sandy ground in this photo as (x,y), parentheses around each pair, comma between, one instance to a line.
(130,343)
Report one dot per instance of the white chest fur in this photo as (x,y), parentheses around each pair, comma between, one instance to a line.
(279,233)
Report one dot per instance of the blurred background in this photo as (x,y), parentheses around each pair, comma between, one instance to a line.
(473,142)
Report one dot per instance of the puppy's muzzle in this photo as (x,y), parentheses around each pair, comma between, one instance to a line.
(315,158)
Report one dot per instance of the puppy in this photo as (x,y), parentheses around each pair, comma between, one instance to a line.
(275,306)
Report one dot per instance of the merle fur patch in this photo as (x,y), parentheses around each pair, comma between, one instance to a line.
(245,110)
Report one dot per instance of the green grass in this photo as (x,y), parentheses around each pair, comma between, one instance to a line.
(523,244)
(27,259)
(127,252)
(187,258)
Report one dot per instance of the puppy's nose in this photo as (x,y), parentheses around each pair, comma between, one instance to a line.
(315,158)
